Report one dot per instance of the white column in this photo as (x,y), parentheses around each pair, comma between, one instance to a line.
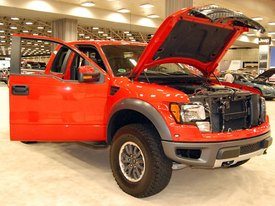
(171,6)
(65,29)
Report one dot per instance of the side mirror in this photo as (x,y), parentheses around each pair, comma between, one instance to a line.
(88,74)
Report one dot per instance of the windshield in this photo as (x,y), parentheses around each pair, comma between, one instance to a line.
(122,58)
(171,69)
(249,77)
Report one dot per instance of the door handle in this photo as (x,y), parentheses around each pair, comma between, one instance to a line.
(20,90)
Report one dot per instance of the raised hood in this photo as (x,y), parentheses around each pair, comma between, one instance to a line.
(198,36)
(268,73)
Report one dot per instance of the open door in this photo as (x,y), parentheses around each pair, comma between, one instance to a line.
(48,107)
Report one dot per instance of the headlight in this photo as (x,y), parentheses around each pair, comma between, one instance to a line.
(192,113)
(189,112)
(267,87)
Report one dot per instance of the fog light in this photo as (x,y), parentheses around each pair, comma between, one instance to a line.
(203,126)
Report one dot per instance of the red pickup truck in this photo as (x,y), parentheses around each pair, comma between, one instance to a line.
(142,100)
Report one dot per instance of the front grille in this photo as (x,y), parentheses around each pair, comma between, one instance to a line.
(250,148)
(229,116)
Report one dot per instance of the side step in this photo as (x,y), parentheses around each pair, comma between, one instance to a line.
(94,144)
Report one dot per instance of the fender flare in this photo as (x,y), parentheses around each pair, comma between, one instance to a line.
(144,108)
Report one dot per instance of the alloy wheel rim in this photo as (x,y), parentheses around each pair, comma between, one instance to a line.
(131,161)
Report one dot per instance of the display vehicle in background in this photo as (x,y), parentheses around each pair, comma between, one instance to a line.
(261,82)
(142,101)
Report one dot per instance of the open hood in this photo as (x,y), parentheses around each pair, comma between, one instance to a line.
(268,73)
(198,36)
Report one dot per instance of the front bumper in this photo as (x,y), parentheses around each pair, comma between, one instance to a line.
(216,154)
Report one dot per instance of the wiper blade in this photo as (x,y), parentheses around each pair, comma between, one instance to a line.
(155,72)
(177,73)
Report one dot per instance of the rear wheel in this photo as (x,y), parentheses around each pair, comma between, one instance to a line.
(138,162)
(239,163)
(29,142)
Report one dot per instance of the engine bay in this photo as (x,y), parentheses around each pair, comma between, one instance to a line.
(227,109)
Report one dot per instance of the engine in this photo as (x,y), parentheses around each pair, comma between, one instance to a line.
(227,109)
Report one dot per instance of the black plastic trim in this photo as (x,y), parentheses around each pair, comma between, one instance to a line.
(209,149)
(144,108)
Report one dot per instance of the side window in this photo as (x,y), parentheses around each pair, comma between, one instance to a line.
(59,61)
(93,54)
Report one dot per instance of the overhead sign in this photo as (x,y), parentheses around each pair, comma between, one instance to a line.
(264,40)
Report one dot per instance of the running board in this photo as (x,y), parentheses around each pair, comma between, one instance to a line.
(94,144)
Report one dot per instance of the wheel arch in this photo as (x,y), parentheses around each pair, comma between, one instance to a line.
(128,111)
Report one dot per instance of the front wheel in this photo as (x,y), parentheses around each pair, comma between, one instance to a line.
(138,162)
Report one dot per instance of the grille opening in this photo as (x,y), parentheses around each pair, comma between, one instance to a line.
(189,153)
(250,148)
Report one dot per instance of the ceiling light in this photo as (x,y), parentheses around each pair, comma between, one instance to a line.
(14,18)
(105,34)
(95,27)
(49,31)
(109,37)
(153,16)
(257,18)
(146,5)
(273,39)
(35,34)
(29,22)
(87,4)
(271,23)
(123,10)
(25,31)
(133,40)
(2,31)
(271,32)
(81,34)
(87,37)
(251,34)
(2,36)
(1,23)
(3,41)
(129,34)
(13,27)
(40,27)
(126,32)
(100,32)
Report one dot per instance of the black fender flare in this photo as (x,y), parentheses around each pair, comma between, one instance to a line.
(144,108)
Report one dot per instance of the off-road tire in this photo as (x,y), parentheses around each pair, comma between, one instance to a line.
(239,163)
(157,167)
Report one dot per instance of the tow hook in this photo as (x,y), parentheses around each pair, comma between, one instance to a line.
(225,164)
